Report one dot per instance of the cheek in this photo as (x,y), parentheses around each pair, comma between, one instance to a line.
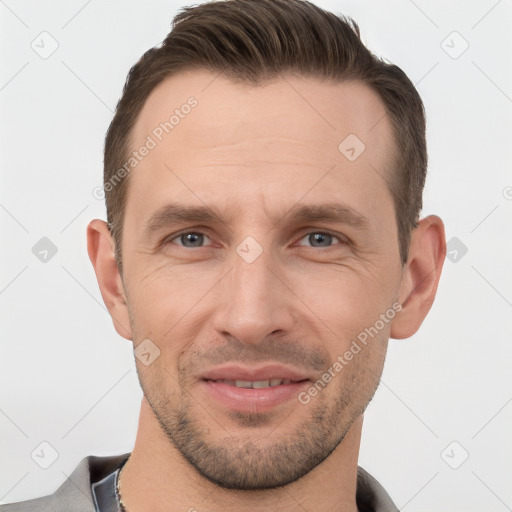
(166,293)
(345,298)
(342,300)
(353,312)
(164,305)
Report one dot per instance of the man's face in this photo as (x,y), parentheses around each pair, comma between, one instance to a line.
(258,293)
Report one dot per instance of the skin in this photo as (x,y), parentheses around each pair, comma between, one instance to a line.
(253,153)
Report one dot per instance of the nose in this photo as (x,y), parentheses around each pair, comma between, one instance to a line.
(254,301)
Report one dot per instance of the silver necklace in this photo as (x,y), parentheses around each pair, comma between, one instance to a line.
(118,492)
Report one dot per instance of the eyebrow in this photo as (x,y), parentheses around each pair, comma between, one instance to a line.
(175,213)
(328,212)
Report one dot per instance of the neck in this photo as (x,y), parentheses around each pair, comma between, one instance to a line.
(157,478)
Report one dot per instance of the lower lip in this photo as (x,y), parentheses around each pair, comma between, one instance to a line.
(252,400)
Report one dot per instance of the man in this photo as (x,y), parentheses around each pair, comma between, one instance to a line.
(263,178)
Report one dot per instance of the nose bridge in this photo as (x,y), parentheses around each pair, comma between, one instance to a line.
(251,273)
(253,303)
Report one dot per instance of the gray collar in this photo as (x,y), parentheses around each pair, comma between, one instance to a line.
(77,489)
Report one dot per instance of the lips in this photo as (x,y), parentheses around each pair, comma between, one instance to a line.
(253,390)
(261,374)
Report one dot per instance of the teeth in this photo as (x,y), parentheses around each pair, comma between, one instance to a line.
(261,384)
(243,383)
(256,384)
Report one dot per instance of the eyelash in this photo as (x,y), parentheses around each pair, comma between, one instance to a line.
(178,235)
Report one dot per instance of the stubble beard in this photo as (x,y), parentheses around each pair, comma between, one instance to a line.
(242,463)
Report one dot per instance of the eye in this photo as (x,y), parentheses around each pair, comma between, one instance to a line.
(321,239)
(190,239)
(196,239)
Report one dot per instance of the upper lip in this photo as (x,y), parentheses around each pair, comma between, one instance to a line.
(267,372)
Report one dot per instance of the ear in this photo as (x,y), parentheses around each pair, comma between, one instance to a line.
(100,247)
(420,276)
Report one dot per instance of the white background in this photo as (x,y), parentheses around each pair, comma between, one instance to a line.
(68,379)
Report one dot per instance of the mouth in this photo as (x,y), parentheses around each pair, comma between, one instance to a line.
(256,384)
(253,390)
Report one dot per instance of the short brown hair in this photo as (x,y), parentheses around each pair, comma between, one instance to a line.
(255,40)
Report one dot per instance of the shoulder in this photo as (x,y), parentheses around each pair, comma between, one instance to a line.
(74,494)
(371,495)
(43,503)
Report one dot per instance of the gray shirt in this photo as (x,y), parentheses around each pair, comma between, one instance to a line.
(91,488)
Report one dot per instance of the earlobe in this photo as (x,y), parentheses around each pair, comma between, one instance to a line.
(420,276)
(100,247)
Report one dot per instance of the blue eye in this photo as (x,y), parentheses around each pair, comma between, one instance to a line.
(320,238)
(194,238)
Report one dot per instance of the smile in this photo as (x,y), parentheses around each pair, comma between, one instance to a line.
(255,384)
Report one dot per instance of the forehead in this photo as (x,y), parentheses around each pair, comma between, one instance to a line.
(219,140)
(227,111)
